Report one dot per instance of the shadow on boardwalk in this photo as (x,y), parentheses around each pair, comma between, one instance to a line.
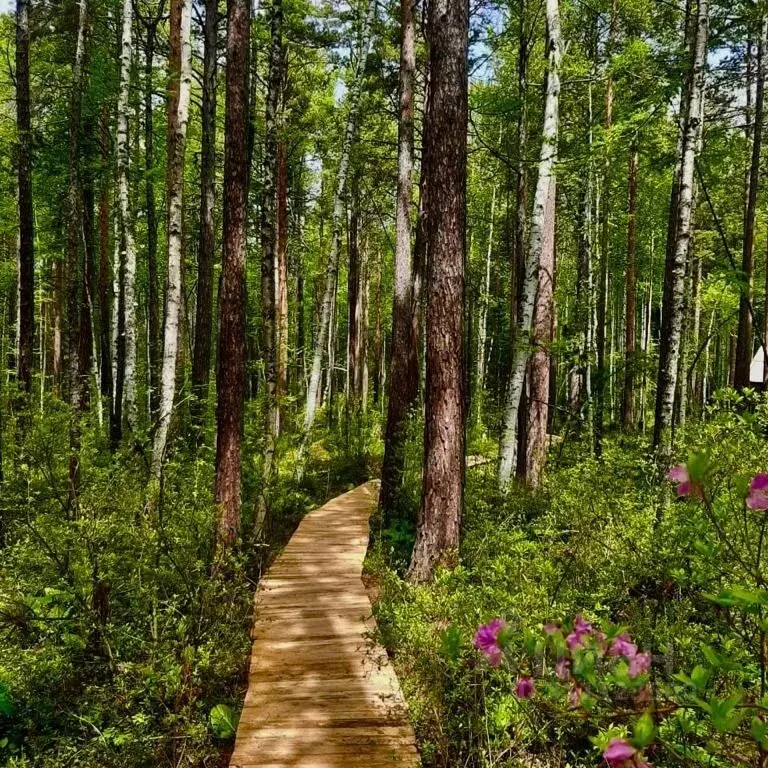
(321,694)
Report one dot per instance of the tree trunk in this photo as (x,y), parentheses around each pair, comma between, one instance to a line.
(126,220)
(178,114)
(75,274)
(404,357)
(321,339)
(539,368)
(231,369)
(521,210)
(628,398)
(26,331)
(669,347)
(153,301)
(533,257)
(281,271)
(744,342)
(437,535)
(201,359)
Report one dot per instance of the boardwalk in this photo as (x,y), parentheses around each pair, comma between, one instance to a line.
(320,693)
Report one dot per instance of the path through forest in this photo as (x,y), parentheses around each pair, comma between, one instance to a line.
(321,693)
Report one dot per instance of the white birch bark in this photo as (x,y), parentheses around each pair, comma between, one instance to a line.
(338,217)
(175,244)
(547,162)
(126,222)
(691,138)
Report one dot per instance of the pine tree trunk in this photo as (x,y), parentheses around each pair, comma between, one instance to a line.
(533,256)
(77,383)
(126,220)
(329,293)
(744,341)
(201,359)
(670,341)
(437,534)
(178,114)
(404,358)
(231,368)
(26,330)
(628,397)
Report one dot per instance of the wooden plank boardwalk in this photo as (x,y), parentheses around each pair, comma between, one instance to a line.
(321,694)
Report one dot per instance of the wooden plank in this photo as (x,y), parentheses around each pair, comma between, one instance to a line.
(321,694)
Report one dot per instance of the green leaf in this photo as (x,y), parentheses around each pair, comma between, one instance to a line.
(644,731)
(700,678)
(6,705)
(223,722)
(450,642)
(759,731)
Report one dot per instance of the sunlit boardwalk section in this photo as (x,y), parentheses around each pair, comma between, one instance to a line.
(321,694)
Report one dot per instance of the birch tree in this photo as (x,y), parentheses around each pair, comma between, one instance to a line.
(546,177)
(179,62)
(128,271)
(677,256)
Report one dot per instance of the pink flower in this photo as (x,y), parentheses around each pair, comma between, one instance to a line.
(680,477)
(551,629)
(640,664)
(757,498)
(487,641)
(623,646)
(619,753)
(562,669)
(581,625)
(581,629)
(525,687)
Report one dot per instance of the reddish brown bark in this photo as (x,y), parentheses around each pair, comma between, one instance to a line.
(231,371)
(437,536)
